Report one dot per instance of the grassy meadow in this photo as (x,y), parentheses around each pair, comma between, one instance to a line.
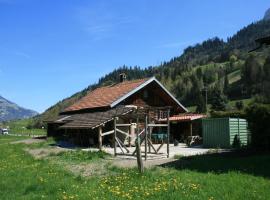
(19,127)
(199,177)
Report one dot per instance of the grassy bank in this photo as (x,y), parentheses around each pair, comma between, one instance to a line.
(23,177)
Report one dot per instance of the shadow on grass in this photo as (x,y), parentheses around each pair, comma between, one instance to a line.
(253,163)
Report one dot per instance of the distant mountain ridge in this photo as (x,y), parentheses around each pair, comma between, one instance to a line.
(267,15)
(11,111)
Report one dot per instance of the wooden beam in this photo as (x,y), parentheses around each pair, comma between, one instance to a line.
(160,146)
(140,132)
(151,145)
(157,125)
(100,138)
(107,133)
(122,144)
(123,132)
(190,128)
(114,137)
(122,125)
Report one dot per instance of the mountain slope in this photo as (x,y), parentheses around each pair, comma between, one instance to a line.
(267,15)
(11,111)
(185,76)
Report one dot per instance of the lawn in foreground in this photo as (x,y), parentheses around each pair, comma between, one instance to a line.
(23,177)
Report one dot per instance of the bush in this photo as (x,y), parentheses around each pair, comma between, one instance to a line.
(232,114)
(239,105)
(258,116)
(236,142)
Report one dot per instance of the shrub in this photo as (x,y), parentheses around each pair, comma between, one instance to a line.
(232,114)
(239,105)
(236,142)
(258,116)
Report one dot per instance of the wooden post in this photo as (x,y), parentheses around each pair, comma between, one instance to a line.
(168,133)
(149,138)
(190,128)
(129,138)
(100,137)
(139,155)
(138,148)
(114,137)
(146,135)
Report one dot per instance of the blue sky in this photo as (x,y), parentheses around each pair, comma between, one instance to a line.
(51,49)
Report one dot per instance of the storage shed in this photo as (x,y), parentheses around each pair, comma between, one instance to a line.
(222,132)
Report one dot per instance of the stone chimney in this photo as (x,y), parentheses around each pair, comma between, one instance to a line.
(122,77)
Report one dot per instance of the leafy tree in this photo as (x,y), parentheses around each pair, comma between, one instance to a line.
(233,59)
(258,116)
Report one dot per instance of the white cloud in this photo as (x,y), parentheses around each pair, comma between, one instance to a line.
(108,25)
(101,26)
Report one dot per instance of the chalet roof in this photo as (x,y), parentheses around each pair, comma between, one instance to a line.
(110,96)
(105,96)
(92,120)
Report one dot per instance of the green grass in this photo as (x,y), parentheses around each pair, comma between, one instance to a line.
(29,132)
(7,138)
(82,156)
(20,127)
(201,177)
(234,76)
(245,102)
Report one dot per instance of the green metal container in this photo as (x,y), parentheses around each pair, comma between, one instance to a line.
(221,132)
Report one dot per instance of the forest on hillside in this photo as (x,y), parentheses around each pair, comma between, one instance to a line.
(224,70)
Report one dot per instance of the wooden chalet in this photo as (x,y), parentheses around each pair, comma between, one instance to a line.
(117,114)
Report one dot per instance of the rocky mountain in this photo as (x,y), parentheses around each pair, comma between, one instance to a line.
(267,15)
(11,111)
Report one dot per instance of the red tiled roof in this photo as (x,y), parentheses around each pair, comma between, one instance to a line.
(186,117)
(105,96)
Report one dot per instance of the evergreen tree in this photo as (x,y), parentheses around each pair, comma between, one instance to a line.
(218,100)
(266,80)
(239,105)
(201,105)
(226,84)
(251,72)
